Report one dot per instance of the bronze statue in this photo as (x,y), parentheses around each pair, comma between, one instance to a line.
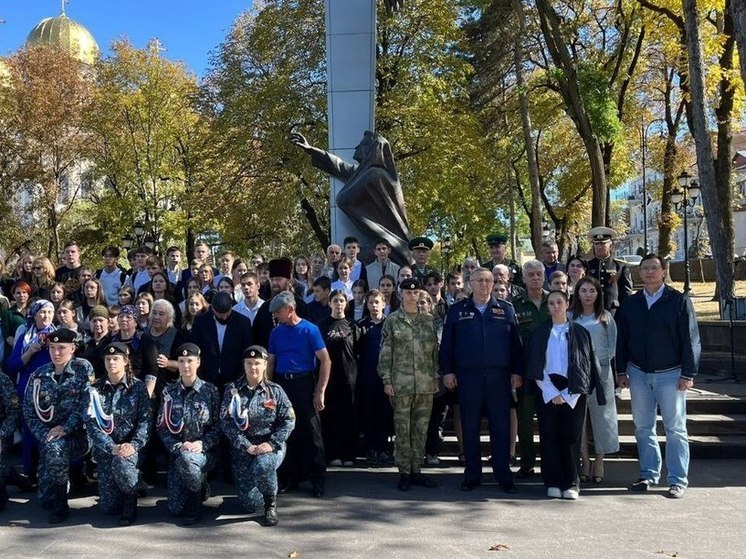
(372,197)
(393,5)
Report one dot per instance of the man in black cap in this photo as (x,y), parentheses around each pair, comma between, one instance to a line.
(613,275)
(51,408)
(421,247)
(498,243)
(221,335)
(280,272)
(294,348)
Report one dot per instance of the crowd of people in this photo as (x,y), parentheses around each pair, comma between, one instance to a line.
(268,373)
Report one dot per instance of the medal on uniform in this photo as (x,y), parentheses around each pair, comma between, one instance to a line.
(96,411)
(168,404)
(240,417)
(45,414)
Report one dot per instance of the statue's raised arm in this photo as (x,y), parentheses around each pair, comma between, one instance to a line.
(372,196)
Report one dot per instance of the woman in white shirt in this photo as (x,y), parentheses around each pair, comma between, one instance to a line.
(562,361)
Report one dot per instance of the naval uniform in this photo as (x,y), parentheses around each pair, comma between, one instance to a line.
(10,412)
(252,417)
(615,279)
(117,414)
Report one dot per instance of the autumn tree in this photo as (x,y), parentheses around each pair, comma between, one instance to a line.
(145,131)
(44,141)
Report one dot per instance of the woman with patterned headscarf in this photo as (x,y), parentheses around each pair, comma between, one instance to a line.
(29,353)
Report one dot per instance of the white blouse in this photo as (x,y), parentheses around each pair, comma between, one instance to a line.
(557,359)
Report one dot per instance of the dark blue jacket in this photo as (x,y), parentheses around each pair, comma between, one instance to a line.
(663,337)
(475,343)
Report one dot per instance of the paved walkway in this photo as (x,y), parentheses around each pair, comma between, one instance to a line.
(363,516)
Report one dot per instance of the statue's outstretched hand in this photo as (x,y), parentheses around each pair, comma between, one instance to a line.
(299,140)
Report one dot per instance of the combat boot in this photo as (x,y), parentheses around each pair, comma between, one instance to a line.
(193,509)
(60,510)
(14,477)
(129,510)
(270,510)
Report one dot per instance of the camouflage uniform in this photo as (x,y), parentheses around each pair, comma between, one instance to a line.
(128,405)
(269,418)
(10,412)
(409,362)
(188,414)
(421,273)
(50,402)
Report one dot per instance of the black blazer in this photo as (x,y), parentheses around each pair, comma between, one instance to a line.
(583,370)
(221,367)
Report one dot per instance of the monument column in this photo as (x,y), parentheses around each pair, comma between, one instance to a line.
(351,88)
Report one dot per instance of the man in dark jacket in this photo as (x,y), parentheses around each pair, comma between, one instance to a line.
(657,357)
(481,353)
(222,336)
(612,274)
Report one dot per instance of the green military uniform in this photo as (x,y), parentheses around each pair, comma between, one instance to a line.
(421,243)
(529,316)
(409,362)
(516,273)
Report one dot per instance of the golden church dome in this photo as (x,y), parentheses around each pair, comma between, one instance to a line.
(67,35)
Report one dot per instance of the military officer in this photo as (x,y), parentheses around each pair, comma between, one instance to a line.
(498,244)
(612,274)
(51,408)
(421,247)
(117,420)
(408,366)
(188,426)
(481,353)
(257,418)
(10,412)
(531,309)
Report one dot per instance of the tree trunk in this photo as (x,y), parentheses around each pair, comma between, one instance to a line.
(715,197)
(570,91)
(528,140)
(313,220)
(739,24)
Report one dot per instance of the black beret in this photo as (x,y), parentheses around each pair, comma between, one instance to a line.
(409,284)
(117,348)
(255,352)
(63,336)
(188,350)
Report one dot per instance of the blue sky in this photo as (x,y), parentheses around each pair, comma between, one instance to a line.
(188,29)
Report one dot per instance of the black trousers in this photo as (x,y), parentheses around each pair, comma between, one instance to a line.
(339,422)
(560,430)
(305,446)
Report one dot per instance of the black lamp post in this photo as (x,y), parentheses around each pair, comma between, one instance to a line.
(684,198)
(140,238)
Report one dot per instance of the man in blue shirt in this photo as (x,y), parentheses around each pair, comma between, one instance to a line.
(294,347)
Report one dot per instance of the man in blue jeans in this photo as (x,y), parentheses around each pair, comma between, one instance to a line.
(657,358)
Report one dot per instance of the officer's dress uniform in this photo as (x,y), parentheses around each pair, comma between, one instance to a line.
(53,400)
(251,417)
(10,413)
(117,414)
(615,279)
(409,362)
(188,414)
(483,349)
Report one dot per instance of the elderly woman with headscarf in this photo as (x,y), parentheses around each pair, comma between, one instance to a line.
(29,353)
(372,196)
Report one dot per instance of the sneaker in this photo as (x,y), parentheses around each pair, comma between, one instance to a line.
(348,463)
(336,463)
(554,493)
(676,492)
(432,460)
(641,485)
(385,458)
(572,494)
(372,458)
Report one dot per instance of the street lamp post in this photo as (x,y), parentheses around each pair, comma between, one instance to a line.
(683,199)
(140,238)
(447,249)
